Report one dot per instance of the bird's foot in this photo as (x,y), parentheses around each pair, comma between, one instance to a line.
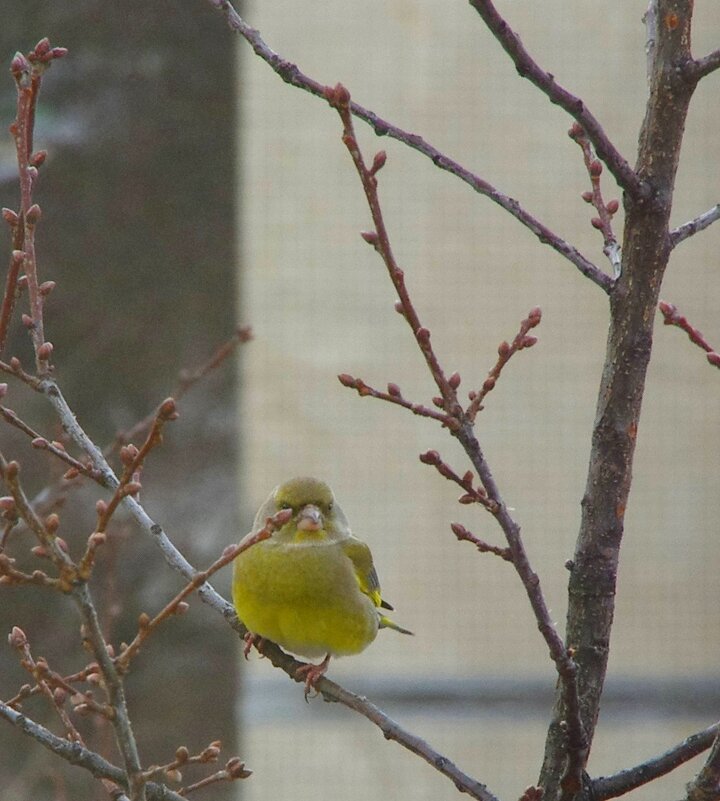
(250,640)
(312,674)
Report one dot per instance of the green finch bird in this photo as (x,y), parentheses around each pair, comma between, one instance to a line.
(311,587)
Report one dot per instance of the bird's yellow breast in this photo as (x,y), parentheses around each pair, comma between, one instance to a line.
(304,595)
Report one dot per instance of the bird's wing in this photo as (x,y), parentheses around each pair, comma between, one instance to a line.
(361,557)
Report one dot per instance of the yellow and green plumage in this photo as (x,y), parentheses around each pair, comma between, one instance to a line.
(311,587)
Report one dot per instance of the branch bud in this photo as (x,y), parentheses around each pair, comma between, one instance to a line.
(503,349)
(423,336)
(394,390)
(596,168)
(44,352)
(370,237)
(11,218)
(612,206)
(346,380)
(378,161)
(454,380)
(34,212)
(47,287)
(596,222)
(587,197)
(38,159)
(17,638)
(535,316)
(430,457)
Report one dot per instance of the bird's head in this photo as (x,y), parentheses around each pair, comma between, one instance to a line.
(316,515)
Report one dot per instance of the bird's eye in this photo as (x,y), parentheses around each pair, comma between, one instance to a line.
(330,506)
(285,505)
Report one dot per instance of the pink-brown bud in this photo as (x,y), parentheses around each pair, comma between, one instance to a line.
(454,380)
(11,218)
(399,308)
(504,349)
(596,222)
(378,161)
(27,321)
(423,336)
(438,401)
(596,168)
(52,524)
(34,212)
(612,206)
(46,287)
(38,159)
(346,380)
(182,755)
(535,316)
(576,130)
(370,237)
(430,457)
(713,358)
(587,197)
(17,638)
(44,352)
(101,507)
(394,390)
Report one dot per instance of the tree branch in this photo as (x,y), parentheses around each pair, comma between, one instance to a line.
(624,174)
(704,66)
(632,778)
(291,74)
(462,429)
(76,754)
(700,223)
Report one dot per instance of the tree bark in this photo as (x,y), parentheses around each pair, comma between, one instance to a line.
(633,301)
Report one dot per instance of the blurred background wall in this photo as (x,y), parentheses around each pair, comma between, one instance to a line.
(476,680)
(138,198)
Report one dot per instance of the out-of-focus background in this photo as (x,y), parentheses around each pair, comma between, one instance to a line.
(164,115)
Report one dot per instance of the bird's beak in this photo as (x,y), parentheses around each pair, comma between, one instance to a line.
(310,518)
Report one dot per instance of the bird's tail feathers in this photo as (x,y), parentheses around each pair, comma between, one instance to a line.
(386,623)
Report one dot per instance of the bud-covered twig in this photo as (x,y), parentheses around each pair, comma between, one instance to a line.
(505,352)
(606,211)
(671,316)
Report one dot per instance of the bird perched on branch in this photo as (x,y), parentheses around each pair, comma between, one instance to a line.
(311,587)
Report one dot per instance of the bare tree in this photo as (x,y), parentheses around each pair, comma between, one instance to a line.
(632,281)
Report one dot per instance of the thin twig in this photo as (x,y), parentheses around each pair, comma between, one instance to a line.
(291,74)
(603,222)
(546,83)
(700,223)
(630,779)
(671,316)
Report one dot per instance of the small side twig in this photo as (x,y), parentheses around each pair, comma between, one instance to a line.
(671,316)
(694,226)
(505,352)
(630,779)
(27,72)
(464,535)
(606,211)
(394,395)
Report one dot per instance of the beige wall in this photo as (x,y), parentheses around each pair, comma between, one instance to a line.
(320,304)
